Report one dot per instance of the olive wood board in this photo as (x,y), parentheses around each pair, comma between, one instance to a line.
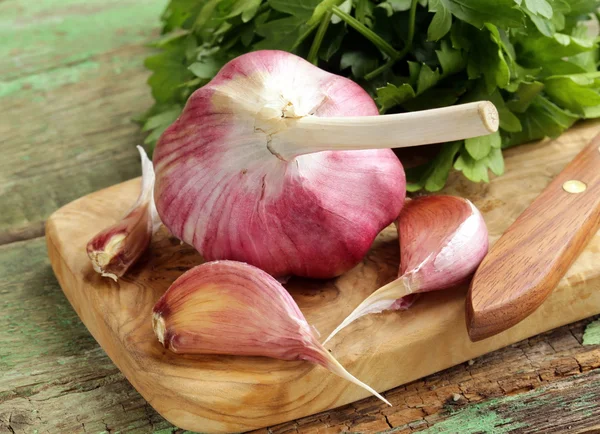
(232,394)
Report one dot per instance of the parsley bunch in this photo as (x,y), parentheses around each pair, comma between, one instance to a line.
(536,60)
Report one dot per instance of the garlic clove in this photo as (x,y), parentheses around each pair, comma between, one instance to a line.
(118,247)
(232,308)
(443,239)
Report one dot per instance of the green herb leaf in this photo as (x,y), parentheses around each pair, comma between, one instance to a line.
(541,119)
(169,71)
(180,14)
(360,62)
(250,10)
(364,12)
(298,8)
(206,68)
(475,170)
(279,34)
(391,95)
(479,12)
(433,176)
(451,60)
(538,49)
(495,161)
(427,78)
(508,120)
(487,58)
(582,7)
(574,92)
(335,36)
(539,7)
(163,119)
(399,5)
(524,95)
(480,147)
(441,22)
(536,60)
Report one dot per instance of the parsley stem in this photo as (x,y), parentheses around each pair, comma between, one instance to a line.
(379,70)
(377,40)
(411,28)
(407,47)
(304,35)
(316,45)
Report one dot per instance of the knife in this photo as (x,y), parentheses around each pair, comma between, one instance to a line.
(531,257)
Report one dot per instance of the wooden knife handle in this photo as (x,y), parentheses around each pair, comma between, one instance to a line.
(536,251)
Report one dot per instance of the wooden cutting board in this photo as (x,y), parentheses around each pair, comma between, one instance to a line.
(227,394)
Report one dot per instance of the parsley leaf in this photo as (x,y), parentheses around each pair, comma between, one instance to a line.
(536,60)
(392,95)
(441,22)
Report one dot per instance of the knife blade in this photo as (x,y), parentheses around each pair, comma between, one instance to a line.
(531,257)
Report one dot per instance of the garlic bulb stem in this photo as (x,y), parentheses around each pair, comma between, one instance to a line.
(382,299)
(310,134)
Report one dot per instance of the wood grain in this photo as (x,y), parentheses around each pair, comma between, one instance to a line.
(54,377)
(71,79)
(536,251)
(384,351)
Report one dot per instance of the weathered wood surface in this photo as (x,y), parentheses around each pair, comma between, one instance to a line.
(56,379)
(383,351)
(59,57)
(71,79)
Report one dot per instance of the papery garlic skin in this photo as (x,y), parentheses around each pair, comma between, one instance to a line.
(118,247)
(232,308)
(224,189)
(443,240)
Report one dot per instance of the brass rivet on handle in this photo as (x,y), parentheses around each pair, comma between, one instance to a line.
(574,186)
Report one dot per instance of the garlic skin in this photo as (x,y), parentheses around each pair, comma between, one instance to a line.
(443,239)
(118,247)
(232,308)
(231,181)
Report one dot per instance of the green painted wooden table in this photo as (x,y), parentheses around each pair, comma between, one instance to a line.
(71,79)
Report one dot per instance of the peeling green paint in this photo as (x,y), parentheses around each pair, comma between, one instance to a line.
(475,419)
(495,416)
(42,35)
(45,81)
(592,334)
(55,78)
